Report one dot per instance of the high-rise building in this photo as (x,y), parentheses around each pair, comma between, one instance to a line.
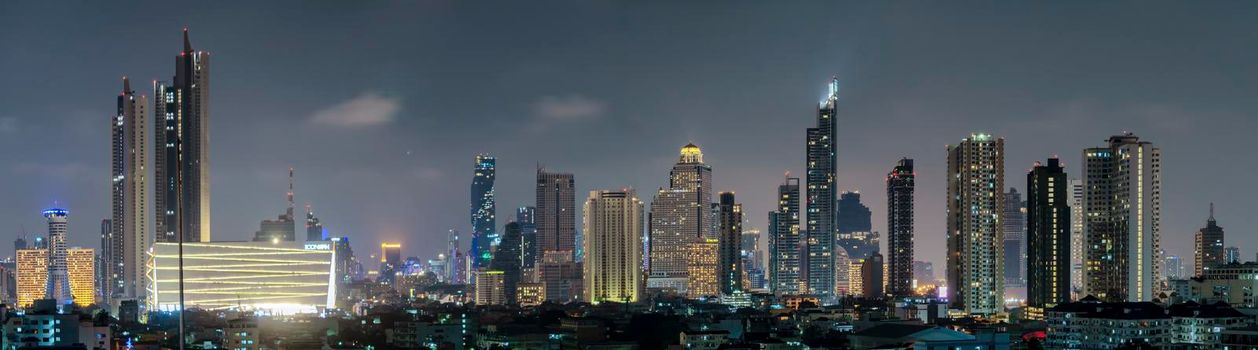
(528,241)
(509,260)
(924,272)
(456,274)
(1013,226)
(856,277)
(560,275)
(390,262)
(58,286)
(821,182)
(1173,268)
(785,258)
(181,139)
(613,247)
(855,226)
(490,289)
(555,213)
(314,228)
(976,175)
(1077,240)
(1122,208)
(284,227)
(871,276)
(1208,246)
(81,271)
(107,273)
(900,186)
(1232,255)
(128,237)
(483,211)
(701,268)
(680,215)
(32,276)
(730,263)
(753,259)
(1048,235)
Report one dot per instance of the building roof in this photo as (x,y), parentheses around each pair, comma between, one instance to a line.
(1091,308)
(1195,310)
(892,330)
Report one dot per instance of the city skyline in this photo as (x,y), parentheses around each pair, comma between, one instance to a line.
(404,188)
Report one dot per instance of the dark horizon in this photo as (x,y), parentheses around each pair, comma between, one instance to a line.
(381,108)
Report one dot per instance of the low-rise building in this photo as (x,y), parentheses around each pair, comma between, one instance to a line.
(1200,326)
(1091,324)
(1233,283)
(924,337)
(704,340)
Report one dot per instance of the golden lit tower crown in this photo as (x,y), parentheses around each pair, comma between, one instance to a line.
(690,154)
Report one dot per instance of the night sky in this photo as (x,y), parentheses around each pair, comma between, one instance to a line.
(381,107)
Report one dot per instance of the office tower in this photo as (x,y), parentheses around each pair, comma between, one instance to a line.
(976,175)
(900,186)
(1122,205)
(1208,246)
(127,238)
(490,287)
(528,241)
(32,276)
(555,213)
(1173,268)
(1077,240)
(508,260)
(785,254)
(390,262)
(680,215)
(821,182)
(752,259)
(1232,255)
(483,211)
(314,228)
(1013,226)
(284,227)
(701,268)
(730,263)
(924,272)
(613,247)
(181,139)
(58,286)
(871,276)
(1047,235)
(855,226)
(81,272)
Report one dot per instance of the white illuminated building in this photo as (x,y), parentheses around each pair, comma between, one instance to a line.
(275,277)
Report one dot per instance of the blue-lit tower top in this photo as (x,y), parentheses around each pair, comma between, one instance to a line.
(483,211)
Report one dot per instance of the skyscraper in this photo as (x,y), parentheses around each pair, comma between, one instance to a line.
(1122,208)
(483,211)
(314,228)
(81,272)
(1013,226)
(32,275)
(1047,235)
(729,268)
(182,152)
(976,175)
(785,258)
(855,226)
(701,268)
(284,227)
(127,239)
(613,247)
(508,259)
(821,182)
(1077,240)
(680,215)
(871,276)
(528,241)
(555,213)
(900,187)
(58,286)
(390,262)
(1208,246)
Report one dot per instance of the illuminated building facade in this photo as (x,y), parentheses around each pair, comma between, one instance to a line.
(283,277)
(785,276)
(976,176)
(127,239)
(81,270)
(821,181)
(1077,240)
(489,287)
(1122,208)
(32,276)
(730,233)
(856,277)
(530,294)
(701,261)
(483,211)
(58,283)
(1048,236)
(182,116)
(613,247)
(901,182)
(390,262)
(1208,244)
(680,215)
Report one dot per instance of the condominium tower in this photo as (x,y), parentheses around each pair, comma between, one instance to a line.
(1048,235)
(181,114)
(729,268)
(900,186)
(1122,208)
(128,236)
(1208,246)
(976,173)
(820,212)
(785,270)
(613,247)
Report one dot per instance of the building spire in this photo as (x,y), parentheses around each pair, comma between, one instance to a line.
(187,44)
(126,85)
(290,193)
(1211,219)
